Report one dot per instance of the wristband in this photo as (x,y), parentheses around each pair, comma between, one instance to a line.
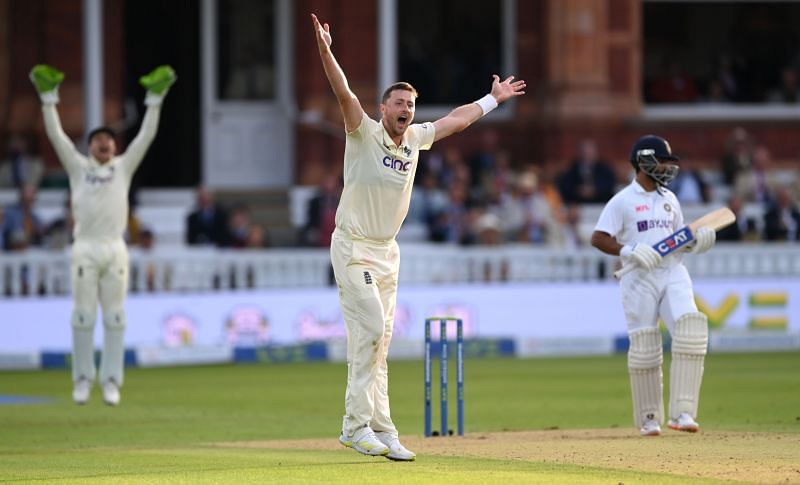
(152,98)
(487,103)
(50,97)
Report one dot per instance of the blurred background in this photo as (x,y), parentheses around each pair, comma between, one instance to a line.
(232,208)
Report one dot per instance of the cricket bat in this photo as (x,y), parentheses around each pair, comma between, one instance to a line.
(678,240)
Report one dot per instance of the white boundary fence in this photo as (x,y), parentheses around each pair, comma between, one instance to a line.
(42,273)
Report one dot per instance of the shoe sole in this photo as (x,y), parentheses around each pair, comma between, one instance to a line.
(395,458)
(686,429)
(651,433)
(363,451)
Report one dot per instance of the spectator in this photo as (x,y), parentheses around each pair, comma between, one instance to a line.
(755,184)
(322,213)
(736,231)
(526,213)
(782,220)
(22,228)
(500,180)
(427,200)
(482,164)
(134,228)
(789,91)
(239,226)
(674,87)
(208,223)
(20,166)
(588,179)
(58,234)
(690,185)
(738,155)
(451,225)
(257,237)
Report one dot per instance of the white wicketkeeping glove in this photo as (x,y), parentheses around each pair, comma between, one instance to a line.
(640,254)
(705,237)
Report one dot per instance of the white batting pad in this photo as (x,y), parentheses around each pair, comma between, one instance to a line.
(689,345)
(645,356)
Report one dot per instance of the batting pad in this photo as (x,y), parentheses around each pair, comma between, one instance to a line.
(689,344)
(645,356)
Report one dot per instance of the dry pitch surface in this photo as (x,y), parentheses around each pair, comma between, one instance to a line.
(750,457)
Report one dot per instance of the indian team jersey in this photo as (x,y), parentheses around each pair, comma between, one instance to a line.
(634,215)
(378,178)
(99,192)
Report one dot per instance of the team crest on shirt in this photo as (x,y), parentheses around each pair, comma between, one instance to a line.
(667,207)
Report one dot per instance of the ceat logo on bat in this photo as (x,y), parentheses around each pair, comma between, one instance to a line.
(674,241)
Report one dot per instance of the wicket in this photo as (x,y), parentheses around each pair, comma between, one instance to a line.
(443,378)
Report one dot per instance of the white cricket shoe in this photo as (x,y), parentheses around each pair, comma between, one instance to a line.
(397,451)
(81,390)
(650,428)
(684,422)
(364,441)
(110,393)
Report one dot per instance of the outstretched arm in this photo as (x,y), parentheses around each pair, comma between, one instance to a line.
(463,116)
(352,112)
(46,79)
(157,83)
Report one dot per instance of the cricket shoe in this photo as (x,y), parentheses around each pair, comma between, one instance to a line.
(81,390)
(110,393)
(650,428)
(397,451)
(684,422)
(364,441)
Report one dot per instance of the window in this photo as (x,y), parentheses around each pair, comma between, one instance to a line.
(449,49)
(721,53)
(245,49)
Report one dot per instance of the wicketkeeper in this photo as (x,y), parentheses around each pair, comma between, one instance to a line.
(640,215)
(99,186)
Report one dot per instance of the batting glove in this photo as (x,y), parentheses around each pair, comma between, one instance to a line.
(157,83)
(705,237)
(46,80)
(640,254)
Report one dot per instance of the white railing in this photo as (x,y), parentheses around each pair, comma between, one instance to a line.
(35,273)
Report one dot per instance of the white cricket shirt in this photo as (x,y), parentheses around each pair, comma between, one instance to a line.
(378,178)
(99,192)
(634,215)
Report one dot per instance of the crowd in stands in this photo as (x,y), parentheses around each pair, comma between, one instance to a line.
(731,82)
(481,198)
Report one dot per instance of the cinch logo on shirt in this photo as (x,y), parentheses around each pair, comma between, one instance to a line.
(642,226)
(395,164)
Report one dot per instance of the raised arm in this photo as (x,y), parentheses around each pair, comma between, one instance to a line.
(46,80)
(352,112)
(463,116)
(157,83)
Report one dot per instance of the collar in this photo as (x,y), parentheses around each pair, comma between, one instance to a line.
(637,187)
(388,142)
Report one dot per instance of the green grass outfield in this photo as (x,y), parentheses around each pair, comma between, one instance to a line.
(171,421)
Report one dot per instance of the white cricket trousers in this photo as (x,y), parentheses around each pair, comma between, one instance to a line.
(99,272)
(366,274)
(662,292)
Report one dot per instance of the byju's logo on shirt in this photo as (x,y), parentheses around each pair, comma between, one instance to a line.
(642,226)
(396,165)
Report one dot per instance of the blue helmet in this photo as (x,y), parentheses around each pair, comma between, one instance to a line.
(648,153)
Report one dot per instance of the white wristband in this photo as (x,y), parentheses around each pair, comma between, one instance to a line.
(487,103)
(50,97)
(153,99)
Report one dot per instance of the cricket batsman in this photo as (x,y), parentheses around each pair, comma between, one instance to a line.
(640,215)
(99,185)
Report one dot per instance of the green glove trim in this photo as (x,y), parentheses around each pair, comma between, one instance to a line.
(159,79)
(45,78)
